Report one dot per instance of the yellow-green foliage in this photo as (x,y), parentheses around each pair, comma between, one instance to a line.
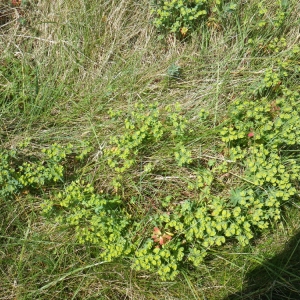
(16,174)
(143,131)
(37,173)
(96,218)
(9,183)
(264,14)
(182,17)
(262,137)
(259,142)
(163,260)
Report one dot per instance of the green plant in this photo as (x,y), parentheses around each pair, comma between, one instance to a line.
(267,21)
(174,71)
(260,141)
(19,172)
(97,219)
(179,16)
(182,17)
(262,137)
(142,132)
(9,183)
(38,174)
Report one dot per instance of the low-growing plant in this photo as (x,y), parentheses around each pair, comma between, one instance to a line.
(267,20)
(262,137)
(168,191)
(259,146)
(260,140)
(180,16)
(9,183)
(97,219)
(144,132)
(183,17)
(18,171)
(174,71)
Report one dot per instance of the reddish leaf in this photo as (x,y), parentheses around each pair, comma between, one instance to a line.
(161,240)
(16,3)
(156,239)
(156,231)
(167,237)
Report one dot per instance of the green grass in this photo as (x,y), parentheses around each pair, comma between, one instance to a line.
(60,73)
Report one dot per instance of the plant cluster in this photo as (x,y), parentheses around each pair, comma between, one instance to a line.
(184,16)
(264,14)
(9,183)
(262,138)
(260,141)
(267,20)
(20,171)
(179,16)
(190,229)
(96,218)
(142,133)
(17,174)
